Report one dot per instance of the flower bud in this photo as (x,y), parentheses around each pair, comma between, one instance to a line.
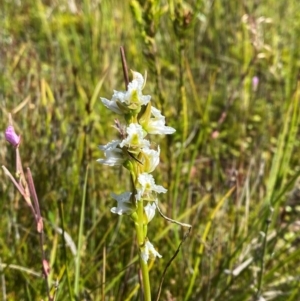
(12,137)
(255,82)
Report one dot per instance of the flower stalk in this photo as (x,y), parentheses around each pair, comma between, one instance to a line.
(134,151)
(139,228)
(25,185)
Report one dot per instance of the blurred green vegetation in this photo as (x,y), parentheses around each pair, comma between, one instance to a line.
(202,58)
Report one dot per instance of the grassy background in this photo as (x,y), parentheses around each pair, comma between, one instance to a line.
(58,57)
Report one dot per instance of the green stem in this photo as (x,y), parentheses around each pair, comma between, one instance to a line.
(139,227)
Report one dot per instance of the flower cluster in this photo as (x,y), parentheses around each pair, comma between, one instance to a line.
(134,152)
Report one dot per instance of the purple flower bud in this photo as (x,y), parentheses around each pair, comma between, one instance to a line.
(12,137)
(255,82)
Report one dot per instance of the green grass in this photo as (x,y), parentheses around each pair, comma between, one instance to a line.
(200,57)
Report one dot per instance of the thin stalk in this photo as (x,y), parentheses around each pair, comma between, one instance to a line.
(139,227)
(3,285)
(262,262)
(80,237)
(27,190)
(40,230)
(64,248)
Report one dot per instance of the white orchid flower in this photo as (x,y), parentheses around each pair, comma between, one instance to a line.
(156,124)
(133,98)
(114,156)
(148,251)
(135,137)
(146,185)
(124,204)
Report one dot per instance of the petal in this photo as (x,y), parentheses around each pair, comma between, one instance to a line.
(119,95)
(152,251)
(146,179)
(150,211)
(159,189)
(110,146)
(138,77)
(121,210)
(111,105)
(112,161)
(157,114)
(123,197)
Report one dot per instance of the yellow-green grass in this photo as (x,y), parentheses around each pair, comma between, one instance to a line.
(56,60)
